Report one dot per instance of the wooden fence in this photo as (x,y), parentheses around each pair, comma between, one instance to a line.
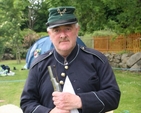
(121,43)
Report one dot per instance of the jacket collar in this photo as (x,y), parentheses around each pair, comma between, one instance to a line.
(69,59)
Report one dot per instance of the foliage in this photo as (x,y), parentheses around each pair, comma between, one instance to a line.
(1,46)
(122,17)
(98,15)
(126,15)
(88,40)
(29,37)
(104,33)
(11,22)
(41,34)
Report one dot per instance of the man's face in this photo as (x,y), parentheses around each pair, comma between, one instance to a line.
(64,37)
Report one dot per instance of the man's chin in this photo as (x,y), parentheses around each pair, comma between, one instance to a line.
(64,44)
(65,47)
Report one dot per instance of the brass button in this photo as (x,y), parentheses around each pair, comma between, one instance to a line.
(63,74)
(66,67)
(61,82)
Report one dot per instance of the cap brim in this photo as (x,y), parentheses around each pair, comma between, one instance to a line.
(61,24)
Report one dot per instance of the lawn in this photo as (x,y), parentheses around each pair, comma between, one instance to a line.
(129,83)
(11,86)
(130,86)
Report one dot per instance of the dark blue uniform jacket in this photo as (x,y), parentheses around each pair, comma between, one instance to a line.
(89,72)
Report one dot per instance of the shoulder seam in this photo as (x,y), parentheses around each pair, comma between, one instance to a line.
(89,52)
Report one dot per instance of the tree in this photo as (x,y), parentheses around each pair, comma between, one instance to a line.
(30,37)
(93,15)
(125,17)
(11,22)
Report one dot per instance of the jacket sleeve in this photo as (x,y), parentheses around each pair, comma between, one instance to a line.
(108,96)
(30,98)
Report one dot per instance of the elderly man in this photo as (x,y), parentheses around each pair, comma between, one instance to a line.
(87,81)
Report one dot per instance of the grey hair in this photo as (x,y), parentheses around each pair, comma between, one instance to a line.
(76,25)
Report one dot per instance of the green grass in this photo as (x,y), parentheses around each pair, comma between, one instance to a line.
(11,86)
(130,86)
(129,83)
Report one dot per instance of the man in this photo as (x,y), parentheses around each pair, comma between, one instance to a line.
(85,76)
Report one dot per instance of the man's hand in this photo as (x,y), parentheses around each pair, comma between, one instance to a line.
(66,101)
(56,110)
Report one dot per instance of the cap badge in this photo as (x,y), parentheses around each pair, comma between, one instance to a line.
(61,12)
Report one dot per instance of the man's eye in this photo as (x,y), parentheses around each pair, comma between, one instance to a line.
(68,28)
(56,30)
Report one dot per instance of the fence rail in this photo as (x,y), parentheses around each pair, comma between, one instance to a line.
(130,43)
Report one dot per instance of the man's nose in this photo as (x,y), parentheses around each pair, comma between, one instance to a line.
(63,34)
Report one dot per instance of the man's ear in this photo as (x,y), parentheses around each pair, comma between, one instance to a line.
(78,28)
(48,32)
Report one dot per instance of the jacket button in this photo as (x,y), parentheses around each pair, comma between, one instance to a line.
(61,82)
(63,74)
(78,89)
(66,67)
